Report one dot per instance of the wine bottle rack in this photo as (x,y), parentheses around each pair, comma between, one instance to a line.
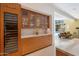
(10,33)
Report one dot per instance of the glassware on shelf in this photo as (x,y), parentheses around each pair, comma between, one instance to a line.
(36,22)
(24,22)
(25,18)
(32,21)
(44,23)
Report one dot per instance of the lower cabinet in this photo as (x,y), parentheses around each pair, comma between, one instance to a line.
(35,43)
(60,52)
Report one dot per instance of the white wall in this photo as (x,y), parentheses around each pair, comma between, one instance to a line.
(44,8)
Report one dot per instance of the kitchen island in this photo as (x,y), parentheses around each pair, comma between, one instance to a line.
(67,47)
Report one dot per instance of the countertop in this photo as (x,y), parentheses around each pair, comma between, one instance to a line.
(27,36)
(68,45)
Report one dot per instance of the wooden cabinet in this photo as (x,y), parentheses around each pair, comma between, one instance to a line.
(60,52)
(34,19)
(32,44)
(10,29)
(11,5)
(12,19)
(35,24)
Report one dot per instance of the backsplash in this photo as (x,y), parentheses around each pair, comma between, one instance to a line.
(25,32)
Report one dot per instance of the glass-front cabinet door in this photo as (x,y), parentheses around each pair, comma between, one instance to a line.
(10,33)
(25,19)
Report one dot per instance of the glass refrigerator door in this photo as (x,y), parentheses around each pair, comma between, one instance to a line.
(10,33)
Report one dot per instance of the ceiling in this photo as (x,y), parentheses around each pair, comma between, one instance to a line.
(70,8)
(58,16)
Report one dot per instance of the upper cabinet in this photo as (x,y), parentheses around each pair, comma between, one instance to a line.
(36,23)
